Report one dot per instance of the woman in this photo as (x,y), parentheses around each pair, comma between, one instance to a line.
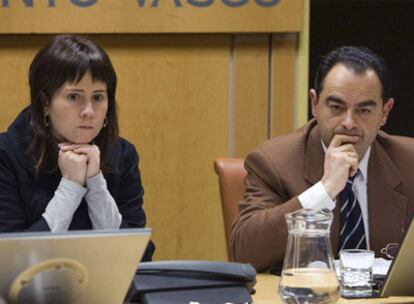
(62,164)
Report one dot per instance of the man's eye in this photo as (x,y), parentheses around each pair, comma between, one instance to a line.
(336,108)
(365,111)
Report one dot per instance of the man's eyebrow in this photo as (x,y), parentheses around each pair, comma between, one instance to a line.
(368,103)
(335,99)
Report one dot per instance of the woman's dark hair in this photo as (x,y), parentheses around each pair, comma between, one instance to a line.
(359,60)
(66,58)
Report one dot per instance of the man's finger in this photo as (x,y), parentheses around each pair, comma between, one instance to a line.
(342,139)
(353,170)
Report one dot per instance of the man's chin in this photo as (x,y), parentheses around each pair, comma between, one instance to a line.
(361,151)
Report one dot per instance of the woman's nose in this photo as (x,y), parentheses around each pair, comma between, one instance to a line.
(87,110)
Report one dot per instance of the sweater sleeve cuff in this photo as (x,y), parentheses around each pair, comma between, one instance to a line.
(62,206)
(95,182)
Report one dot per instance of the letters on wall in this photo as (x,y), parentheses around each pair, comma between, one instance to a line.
(150,16)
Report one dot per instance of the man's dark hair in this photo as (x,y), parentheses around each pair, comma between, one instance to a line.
(67,58)
(357,59)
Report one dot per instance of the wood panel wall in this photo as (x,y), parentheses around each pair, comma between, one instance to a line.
(184,100)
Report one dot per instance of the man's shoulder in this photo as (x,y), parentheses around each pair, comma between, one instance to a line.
(399,149)
(284,151)
(280,144)
(395,142)
(287,143)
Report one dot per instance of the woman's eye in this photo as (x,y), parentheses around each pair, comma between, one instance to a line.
(73,96)
(98,97)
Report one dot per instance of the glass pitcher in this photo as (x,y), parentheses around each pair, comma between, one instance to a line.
(308,274)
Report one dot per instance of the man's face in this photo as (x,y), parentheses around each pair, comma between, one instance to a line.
(350,104)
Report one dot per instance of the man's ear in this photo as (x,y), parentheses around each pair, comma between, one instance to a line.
(313,96)
(386,109)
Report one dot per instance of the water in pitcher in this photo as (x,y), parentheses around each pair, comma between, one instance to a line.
(308,274)
(308,286)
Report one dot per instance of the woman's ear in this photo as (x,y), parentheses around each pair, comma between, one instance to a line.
(45,102)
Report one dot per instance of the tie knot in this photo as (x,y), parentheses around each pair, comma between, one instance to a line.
(352,178)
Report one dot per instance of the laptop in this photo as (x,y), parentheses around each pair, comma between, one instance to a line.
(399,280)
(90,266)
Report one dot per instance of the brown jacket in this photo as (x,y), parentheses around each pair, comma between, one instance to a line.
(283,167)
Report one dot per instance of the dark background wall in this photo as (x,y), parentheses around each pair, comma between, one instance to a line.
(387,28)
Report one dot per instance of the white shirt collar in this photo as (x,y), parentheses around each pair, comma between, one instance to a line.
(363,163)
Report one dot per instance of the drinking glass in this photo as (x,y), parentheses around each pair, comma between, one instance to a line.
(356,272)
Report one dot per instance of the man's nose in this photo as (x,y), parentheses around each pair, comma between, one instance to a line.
(348,120)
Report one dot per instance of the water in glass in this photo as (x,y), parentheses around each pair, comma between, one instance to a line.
(356,272)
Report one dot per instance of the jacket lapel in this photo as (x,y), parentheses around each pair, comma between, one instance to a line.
(386,206)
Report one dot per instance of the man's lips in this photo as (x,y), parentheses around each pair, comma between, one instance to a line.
(349,134)
(354,138)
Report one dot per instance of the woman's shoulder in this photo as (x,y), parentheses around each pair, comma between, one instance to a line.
(18,136)
(3,138)
(124,147)
(9,156)
(121,157)
(3,143)
(122,153)
(6,145)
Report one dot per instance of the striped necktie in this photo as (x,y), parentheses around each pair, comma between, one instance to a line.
(352,233)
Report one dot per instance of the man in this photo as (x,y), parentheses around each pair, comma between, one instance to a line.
(311,166)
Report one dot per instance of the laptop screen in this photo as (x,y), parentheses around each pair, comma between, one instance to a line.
(89,266)
(399,280)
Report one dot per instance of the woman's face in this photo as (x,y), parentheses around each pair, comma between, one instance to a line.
(77,110)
